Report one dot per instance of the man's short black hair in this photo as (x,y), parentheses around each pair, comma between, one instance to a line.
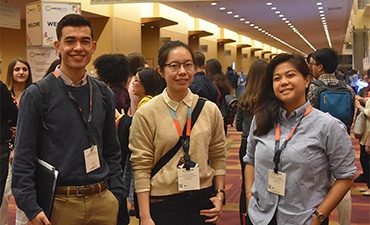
(328,58)
(74,20)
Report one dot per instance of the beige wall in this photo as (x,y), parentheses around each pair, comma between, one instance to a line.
(12,44)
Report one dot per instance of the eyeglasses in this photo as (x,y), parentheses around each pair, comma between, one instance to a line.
(175,66)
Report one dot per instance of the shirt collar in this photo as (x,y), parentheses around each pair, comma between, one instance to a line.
(69,82)
(173,104)
(296,114)
(327,76)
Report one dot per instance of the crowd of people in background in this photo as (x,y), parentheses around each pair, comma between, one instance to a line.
(169,157)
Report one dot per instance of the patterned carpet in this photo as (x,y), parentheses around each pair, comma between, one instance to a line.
(230,215)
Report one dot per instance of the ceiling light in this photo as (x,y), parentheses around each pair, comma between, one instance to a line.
(269,3)
(236,16)
(229,12)
(242,19)
(283,19)
(281,15)
(213,3)
(247,22)
(320,7)
(319,3)
(222,8)
(273,8)
(255,27)
(259,29)
(321,11)
(277,12)
(252,25)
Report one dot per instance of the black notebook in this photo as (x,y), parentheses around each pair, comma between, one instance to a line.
(45,183)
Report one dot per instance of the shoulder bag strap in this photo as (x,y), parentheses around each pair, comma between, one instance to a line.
(163,161)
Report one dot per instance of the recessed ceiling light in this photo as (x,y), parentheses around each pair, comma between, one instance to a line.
(273,8)
(247,22)
(277,12)
(283,19)
(255,27)
(269,3)
(213,3)
(281,15)
(259,29)
(242,19)
(222,8)
(229,12)
(236,16)
(320,7)
(252,25)
(319,3)
(321,11)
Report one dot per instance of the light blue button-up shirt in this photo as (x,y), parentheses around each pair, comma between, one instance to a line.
(319,148)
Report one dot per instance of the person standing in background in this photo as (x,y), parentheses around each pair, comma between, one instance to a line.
(9,114)
(136,60)
(19,77)
(201,84)
(246,106)
(233,79)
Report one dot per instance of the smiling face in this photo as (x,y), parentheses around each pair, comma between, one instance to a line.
(179,80)
(76,48)
(137,87)
(290,86)
(20,73)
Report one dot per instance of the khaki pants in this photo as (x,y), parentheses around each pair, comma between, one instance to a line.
(95,209)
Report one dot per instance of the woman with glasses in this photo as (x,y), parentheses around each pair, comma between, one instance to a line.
(189,187)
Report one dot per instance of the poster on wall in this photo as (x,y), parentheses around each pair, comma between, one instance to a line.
(42,19)
(10,16)
(52,12)
(40,60)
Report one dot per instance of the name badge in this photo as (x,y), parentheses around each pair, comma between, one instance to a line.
(188,179)
(92,159)
(276,182)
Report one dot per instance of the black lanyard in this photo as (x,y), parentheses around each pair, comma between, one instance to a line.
(87,120)
(279,149)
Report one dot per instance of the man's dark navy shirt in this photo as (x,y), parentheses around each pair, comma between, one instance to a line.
(204,87)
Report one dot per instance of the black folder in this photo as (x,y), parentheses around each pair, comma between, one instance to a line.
(45,183)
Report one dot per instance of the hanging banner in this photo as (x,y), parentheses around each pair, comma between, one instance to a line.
(42,19)
(40,60)
(10,16)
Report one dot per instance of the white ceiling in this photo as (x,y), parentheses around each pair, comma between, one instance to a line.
(303,14)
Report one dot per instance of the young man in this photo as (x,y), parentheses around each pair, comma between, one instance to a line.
(323,64)
(76,134)
(201,84)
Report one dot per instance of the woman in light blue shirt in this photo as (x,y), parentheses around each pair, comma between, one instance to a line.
(292,151)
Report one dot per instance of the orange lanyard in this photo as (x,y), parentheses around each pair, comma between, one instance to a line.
(185,137)
(279,149)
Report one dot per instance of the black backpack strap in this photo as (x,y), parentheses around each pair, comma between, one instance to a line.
(163,161)
(103,89)
(43,86)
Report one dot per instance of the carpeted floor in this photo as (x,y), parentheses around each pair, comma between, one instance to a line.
(230,215)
